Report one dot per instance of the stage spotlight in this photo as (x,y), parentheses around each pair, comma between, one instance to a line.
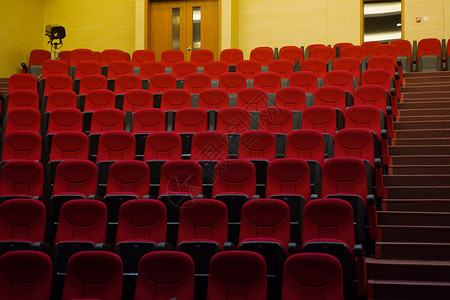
(54,33)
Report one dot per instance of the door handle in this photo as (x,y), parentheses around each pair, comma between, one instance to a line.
(189,48)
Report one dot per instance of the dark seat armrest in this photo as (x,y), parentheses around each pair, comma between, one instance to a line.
(293,248)
(40,198)
(389,110)
(378,163)
(94,197)
(103,247)
(393,92)
(147,197)
(358,250)
(370,199)
(164,246)
(200,196)
(314,196)
(384,134)
(396,76)
(42,246)
(256,197)
(229,246)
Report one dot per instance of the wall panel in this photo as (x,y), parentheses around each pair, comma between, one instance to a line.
(97,25)
(21,31)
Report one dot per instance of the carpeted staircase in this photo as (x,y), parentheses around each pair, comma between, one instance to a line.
(4,86)
(412,258)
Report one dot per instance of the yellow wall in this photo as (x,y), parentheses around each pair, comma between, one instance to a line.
(21,31)
(97,25)
(245,24)
(438,13)
(290,22)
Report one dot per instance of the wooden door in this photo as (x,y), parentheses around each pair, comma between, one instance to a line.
(185,25)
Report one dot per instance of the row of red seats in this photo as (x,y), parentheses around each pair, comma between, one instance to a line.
(263,55)
(252,99)
(232,181)
(196,82)
(177,270)
(142,229)
(284,67)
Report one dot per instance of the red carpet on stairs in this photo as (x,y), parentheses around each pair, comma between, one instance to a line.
(412,259)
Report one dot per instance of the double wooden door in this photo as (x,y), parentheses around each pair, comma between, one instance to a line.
(184,25)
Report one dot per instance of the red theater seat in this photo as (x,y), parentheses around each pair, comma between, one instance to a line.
(21,179)
(25,275)
(53,66)
(171,57)
(215,68)
(263,55)
(202,56)
(162,82)
(237,274)
(21,81)
(127,180)
(141,226)
(231,56)
(92,82)
(252,99)
(183,68)
(316,274)
(22,145)
(315,65)
(93,274)
(328,229)
(165,275)
(22,99)
(135,100)
(291,53)
(305,80)
(79,55)
(23,119)
(149,68)
(65,119)
(110,55)
(116,68)
(60,99)
(358,52)
(140,57)
(249,68)
(22,223)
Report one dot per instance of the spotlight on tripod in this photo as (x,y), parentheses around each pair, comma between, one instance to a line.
(55,33)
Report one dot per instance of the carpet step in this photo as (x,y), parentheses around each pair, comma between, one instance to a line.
(424,112)
(426,74)
(390,269)
(419,251)
(415,180)
(438,118)
(413,234)
(416,205)
(426,80)
(417,192)
(420,150)
(419,169)
(425,88)
(407,290)
(425,95)
(431,103)
(413,218)
(423,133)
(425,141)
(430,124)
